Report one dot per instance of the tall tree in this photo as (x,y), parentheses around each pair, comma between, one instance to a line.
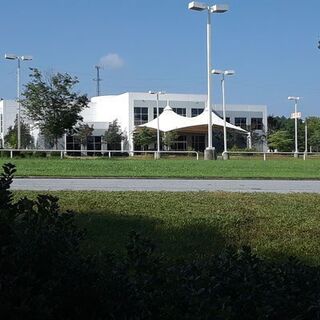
(52,104)
(280,140)
(169,138)
(144,137)
(11,138)
(113,136)
(314,133)
(83,131)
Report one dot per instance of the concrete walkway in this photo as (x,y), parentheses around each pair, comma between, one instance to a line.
(278,186)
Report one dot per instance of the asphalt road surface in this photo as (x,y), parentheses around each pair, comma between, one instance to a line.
(278,186)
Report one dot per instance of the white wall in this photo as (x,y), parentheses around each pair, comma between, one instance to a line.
(9,109)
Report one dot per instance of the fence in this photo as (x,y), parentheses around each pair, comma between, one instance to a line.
(272,155)
(110,153)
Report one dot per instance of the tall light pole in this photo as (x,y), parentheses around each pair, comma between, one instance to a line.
(218,8)
(157,93)
(305,136)
(224,73)
(295,116)
(19,59)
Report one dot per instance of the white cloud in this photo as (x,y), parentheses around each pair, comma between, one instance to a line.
(111,61)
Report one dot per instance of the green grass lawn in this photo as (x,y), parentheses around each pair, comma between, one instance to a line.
(199,223)
(271,169)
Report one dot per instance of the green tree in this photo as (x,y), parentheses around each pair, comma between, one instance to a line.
(144,137)
(314,133)
(52,104)
(169,138)
(280,140)
(11,138)
(286,124)
(83,131)
(113,136)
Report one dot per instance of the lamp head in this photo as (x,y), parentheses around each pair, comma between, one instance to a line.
(216,71)
(229,72)
(197,6)
(26,58)
(10,56)
(219,8)
(293,98)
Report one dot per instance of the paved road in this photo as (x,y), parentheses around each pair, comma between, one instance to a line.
(278,186)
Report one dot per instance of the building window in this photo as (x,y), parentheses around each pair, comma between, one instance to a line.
(196,111)
(155,112)
(93,143)
(73,143)
(241,122)
(256,124)
(140,116)
(198,143)
(228,119)
(1,123)
(180,143)
(181,111)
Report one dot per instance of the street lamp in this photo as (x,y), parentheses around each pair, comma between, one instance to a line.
(18,58)
(295,115)
(157,93)
(224,73)
(219,8)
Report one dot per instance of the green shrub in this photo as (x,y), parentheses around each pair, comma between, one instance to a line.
(44,275)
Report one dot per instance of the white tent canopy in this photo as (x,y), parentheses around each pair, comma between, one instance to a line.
(169,120)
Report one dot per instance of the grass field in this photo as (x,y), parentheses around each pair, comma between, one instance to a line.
(271,169)
(191,224)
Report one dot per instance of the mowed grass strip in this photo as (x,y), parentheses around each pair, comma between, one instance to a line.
(198,224)
(238,169)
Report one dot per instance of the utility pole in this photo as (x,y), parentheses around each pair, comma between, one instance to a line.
(98,79)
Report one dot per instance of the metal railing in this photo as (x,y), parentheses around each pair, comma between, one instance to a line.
(269,155)
(64,152)
(110,153)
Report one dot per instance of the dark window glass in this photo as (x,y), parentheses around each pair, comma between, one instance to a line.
(155,112)
(93,143)
(256,124)
(181,111)
(241,122)
(228,119)
(198,143)
(196,111)
(180,143)
(73,143)
(140,116)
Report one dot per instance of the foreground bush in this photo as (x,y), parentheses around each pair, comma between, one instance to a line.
(44,275)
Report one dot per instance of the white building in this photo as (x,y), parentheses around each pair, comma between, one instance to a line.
(133,108)
(8,113)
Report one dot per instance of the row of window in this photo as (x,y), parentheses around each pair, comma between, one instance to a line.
(141,117)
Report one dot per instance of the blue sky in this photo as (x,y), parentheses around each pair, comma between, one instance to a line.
(161,45)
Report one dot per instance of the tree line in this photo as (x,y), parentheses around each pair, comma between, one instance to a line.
(54,107)
(281,132)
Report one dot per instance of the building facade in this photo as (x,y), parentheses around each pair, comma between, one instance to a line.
(134,108)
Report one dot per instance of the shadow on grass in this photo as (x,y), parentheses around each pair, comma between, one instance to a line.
(109,232)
